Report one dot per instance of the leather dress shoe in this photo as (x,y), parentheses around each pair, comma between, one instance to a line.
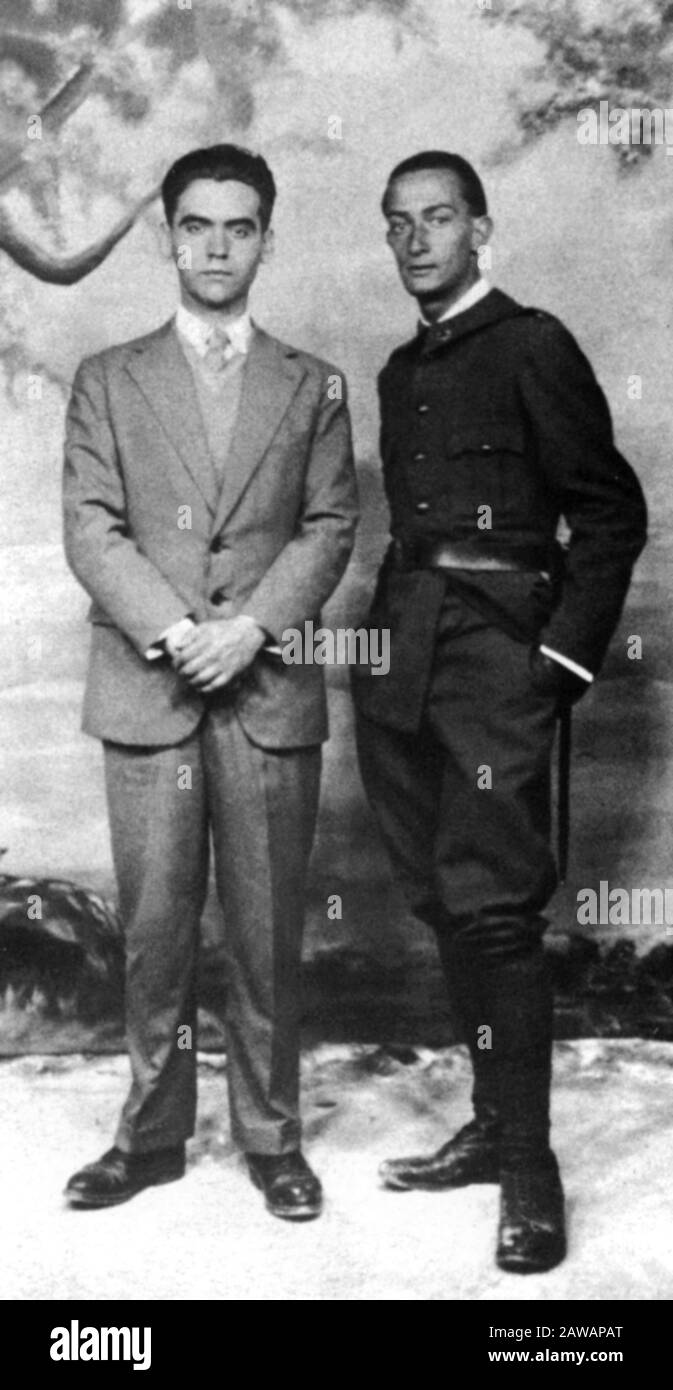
(117,1176)
(291,1189)
(531,1235)
(471,1156)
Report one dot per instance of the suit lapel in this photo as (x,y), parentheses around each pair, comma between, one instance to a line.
(162,372)
(270,379)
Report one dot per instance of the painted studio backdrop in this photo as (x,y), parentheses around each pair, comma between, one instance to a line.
(97,97)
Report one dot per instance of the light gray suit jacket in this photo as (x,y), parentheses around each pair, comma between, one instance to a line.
(151,536)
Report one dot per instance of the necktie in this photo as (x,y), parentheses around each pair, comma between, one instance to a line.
(434,336)
(218,352)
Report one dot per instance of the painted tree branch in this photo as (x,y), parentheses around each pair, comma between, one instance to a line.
(53,115)
(68,97)
(66,270)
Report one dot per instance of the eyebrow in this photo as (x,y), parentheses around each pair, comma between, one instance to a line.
(425,212)
(208,221)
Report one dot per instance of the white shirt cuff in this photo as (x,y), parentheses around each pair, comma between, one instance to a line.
(176,632)
(569,665)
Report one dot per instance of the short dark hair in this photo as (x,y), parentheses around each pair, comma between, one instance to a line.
(220,162)
(471,185)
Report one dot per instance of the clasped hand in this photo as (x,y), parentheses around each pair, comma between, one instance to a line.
(217,651)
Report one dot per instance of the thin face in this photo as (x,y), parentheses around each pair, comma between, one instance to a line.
(433,234)
(219,225)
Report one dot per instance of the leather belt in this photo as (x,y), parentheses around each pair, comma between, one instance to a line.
(454,555)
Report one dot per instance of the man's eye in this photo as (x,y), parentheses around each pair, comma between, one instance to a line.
(439,221)
(396,228)
(241,232)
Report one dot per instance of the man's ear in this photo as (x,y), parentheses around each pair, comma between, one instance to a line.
(268,245)
(165,242)
(482,229)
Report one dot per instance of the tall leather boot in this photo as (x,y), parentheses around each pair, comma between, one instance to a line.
(531,1236)
(472,1155)
(467,986)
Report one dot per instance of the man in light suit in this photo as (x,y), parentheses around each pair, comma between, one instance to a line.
(210,504)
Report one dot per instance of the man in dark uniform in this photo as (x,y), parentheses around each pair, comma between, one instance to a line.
(493,429)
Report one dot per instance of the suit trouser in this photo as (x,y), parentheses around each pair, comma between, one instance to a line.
(464,808)
(260,807)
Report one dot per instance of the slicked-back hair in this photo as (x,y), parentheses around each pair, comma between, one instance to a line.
(470,184)
(220,162)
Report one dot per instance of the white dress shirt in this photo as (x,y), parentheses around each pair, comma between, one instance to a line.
(477,291)
(197,331)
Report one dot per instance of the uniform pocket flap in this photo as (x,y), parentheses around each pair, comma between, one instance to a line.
(486,443)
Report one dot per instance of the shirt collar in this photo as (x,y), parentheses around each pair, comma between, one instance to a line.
(196,331)
(477,291)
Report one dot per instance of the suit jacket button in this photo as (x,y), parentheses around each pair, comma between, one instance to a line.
(218,596)
(487,448)
(420,458)
(422,507)
(422,408)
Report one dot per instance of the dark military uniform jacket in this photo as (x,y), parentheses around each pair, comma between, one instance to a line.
(493,430)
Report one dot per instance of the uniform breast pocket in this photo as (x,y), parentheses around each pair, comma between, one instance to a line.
(486,469)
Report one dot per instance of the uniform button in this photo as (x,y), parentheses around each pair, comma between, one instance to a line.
(487,448)
(420,458)
(218,543)
(422,507)
(218,596)
(422,408)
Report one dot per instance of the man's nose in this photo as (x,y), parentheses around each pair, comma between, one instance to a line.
(418,242)
(218,243)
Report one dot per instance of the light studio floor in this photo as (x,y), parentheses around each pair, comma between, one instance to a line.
(209,1237)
